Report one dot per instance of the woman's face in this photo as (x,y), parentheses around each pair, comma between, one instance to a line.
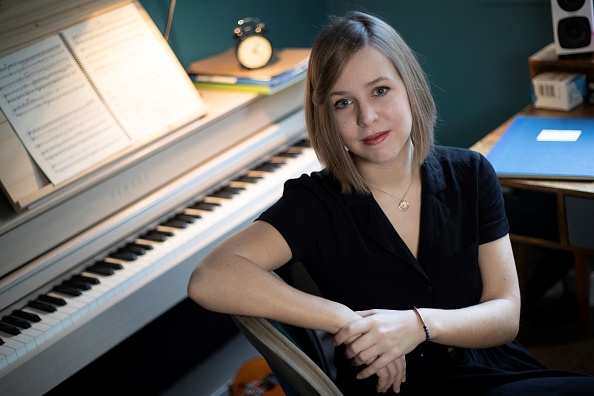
(371,108)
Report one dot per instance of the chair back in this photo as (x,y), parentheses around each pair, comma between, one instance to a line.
(295,370)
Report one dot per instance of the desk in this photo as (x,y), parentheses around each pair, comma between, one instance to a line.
(563,217)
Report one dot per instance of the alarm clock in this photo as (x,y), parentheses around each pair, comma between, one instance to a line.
(253,49)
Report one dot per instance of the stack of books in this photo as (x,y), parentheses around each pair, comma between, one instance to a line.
(222,71)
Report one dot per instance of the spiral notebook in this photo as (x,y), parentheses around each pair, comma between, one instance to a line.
(545,148)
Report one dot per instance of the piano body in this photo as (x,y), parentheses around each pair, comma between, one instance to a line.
(87,266)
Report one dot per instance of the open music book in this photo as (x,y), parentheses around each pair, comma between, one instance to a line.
(81,96)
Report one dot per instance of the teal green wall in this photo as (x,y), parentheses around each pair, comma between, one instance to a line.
(204,27)
(474,51)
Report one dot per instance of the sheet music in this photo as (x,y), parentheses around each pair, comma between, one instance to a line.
(136,71)
(54,110)
(94,89)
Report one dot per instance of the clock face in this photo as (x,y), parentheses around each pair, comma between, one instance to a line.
(254,51)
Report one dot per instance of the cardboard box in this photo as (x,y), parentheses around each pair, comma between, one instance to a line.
(559,90)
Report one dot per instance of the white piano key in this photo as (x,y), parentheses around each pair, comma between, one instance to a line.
(62,316)
(26,340)
(18,347)
(9,354)
(3,361)
(37,335)
(45,328)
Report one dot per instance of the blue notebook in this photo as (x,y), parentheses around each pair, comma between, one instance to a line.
(545,148)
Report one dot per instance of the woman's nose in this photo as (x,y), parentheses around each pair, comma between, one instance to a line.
(366,114)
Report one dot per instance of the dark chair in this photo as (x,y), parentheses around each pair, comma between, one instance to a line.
(301,359)
(297,373)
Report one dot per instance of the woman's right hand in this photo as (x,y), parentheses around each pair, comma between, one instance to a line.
(392,375)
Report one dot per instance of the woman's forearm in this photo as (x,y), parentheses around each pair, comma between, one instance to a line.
(234,285)
(484,325)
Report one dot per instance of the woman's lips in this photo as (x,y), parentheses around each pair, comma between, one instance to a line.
(376,138)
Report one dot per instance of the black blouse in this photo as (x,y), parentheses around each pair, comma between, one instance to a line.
(356,257)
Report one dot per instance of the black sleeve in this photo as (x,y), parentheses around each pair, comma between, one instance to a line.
(300,216)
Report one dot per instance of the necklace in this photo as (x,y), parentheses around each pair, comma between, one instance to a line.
(403,204)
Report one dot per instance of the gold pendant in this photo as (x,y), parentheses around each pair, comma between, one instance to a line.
(403,205)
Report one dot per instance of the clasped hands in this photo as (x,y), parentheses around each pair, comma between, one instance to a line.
(379,340)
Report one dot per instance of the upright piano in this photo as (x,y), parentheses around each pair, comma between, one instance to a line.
(89,265)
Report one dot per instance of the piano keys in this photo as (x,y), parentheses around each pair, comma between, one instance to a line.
(88,264)
(69,301)
(118,273)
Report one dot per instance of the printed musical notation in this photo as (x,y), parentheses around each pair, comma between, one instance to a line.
(80,97)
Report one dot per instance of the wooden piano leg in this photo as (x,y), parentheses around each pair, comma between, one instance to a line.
(582,290)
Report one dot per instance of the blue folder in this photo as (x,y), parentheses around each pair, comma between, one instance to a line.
(545,148)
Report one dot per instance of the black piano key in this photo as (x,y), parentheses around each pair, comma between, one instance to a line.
(123,255)
(210,206)
(52,300)
(138,250)
(41,306)
(163,232)
(175,223)
(31,317)
(288,154)
(150,236)
(267,167)
(107,264)
(71,291)
(222,194)
(186,218)
(234,190)
(78,284)
(8,328)
(144,246)
(101,270)
(87,279)
(18,322)
(303,143)
(249,179)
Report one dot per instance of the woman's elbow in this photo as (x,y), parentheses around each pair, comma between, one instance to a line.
(198,288)
(513,324)
(512,331)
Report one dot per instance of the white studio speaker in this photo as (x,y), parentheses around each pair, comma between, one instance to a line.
(572,26)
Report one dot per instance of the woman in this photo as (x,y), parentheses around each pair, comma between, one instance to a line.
(408,242)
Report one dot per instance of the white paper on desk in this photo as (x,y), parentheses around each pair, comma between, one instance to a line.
(558,135)
(55,111)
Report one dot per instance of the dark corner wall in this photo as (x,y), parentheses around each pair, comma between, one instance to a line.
(474,51)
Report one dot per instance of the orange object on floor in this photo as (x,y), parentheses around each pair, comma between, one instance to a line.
(255,378)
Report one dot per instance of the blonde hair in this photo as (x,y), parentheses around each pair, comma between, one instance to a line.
(342,37)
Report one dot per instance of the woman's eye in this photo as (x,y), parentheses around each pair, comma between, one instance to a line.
(342,103)
(381,91)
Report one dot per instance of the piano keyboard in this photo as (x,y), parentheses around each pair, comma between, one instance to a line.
(85,293)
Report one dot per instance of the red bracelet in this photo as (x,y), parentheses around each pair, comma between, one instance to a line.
(427,337)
